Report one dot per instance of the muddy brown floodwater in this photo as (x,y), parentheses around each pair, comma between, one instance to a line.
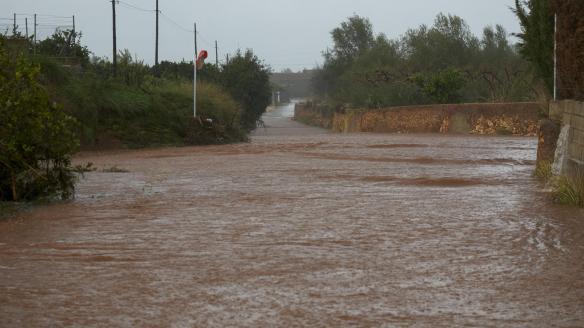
(301,228)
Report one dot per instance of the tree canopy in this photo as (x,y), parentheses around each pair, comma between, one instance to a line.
(441,63)
(537,36)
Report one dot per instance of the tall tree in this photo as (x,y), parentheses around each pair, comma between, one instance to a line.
(354,37)
(537,36)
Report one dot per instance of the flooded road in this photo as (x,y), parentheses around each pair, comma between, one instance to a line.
(301,228)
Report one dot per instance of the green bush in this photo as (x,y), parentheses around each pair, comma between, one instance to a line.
(37,138)
(442,87)
(244,77)
(154,112)
(64,44)
(136,108)
(247,79)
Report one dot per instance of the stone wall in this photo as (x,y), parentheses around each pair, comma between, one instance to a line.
(570,115)
(488,119)
(314,114)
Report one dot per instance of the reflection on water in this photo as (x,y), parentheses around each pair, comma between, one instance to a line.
(282,111)
(301,227)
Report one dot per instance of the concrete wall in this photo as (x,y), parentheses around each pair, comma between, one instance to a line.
(570,114)
(487,119)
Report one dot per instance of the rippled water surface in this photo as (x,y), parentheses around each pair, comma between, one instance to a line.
(301,228)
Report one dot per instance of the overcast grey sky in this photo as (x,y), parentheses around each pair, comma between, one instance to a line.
(285,33)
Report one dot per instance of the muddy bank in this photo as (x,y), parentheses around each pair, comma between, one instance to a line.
(520,119)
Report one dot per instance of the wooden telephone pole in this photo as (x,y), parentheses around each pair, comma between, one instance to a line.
(115,47)
(216,54)
(156,49)
(35,35)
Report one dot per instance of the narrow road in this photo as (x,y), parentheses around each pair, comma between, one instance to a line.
(300,227)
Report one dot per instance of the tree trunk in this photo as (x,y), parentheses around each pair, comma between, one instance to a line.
(13,183)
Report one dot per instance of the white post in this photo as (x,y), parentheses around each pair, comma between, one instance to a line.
(556,57)
(195,76)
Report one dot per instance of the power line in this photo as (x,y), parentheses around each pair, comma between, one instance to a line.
(54,25)
(168,19)
(175,23)
(129,5)
(207,42)
(53,19)
(43,15)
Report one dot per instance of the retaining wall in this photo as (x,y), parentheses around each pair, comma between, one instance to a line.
(570,115)
(486,119)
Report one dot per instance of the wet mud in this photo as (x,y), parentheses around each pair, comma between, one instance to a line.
(300,228)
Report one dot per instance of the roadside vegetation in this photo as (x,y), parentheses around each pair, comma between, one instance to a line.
(442,63)
(61,99)
(37,137)
(537,22)
(569,190)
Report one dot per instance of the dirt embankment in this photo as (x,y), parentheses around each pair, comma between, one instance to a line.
(483,119)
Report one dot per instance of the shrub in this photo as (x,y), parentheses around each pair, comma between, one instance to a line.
(64,43)
(442,87)
(37,138)
(247,79)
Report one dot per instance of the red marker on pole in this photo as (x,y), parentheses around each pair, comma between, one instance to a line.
(198,64)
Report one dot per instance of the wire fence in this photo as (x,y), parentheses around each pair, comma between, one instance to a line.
(46,25)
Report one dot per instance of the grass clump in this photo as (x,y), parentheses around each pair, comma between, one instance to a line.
(543,171)
(569,190)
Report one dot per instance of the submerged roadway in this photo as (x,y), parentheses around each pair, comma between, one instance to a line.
(300,227)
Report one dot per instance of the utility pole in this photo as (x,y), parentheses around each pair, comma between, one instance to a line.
(73,24)
(226,59)
(115,50)
(156,51)
(26,26)
(556,57)
(216,54)
(35,35)
(14,28)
